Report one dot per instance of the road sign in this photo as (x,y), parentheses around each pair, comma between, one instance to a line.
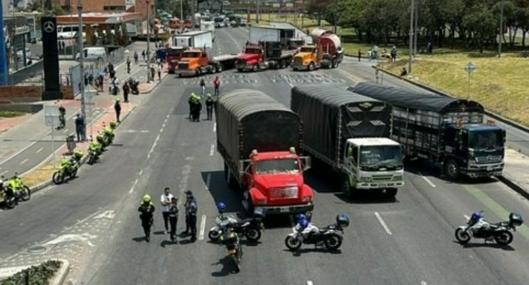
(51,115)
(470,67)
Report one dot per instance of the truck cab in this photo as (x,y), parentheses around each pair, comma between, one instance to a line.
(307,58)
(476,150)
(276,183)
(251,58)
(373,163)
(172,56)
(191,62)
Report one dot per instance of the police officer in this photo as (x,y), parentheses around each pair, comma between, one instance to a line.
(209,106)
(173,217)
(191,215)
(146,210)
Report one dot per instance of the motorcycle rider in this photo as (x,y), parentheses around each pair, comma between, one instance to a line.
(305,226)
(191,215)
(146,210)
(232,242)
(96,147)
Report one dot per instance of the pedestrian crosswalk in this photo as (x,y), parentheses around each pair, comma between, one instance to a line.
(275,78)
(305,78)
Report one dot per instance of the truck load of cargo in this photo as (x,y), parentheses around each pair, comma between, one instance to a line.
(348,132)
(259,140)
(195,60)
(325,52)
(447,131)
(266,48)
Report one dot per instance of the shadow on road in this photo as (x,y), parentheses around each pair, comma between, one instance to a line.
(221,192)
(138,239)
(227,267)
(165,243)
(483,244)
(302,250)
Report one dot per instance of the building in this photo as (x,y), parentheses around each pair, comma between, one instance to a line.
(112,6)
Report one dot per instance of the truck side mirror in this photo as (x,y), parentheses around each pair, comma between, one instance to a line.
(306,162)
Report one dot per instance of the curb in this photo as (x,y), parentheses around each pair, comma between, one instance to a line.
(505,180)
(61,274)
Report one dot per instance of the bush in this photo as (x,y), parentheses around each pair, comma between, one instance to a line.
(37,275)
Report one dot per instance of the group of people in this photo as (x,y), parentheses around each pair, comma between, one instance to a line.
(195,101)
(170,214)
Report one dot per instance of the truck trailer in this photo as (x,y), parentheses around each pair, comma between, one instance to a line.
(325,52)
(259,140)
(348,132)
(447,131)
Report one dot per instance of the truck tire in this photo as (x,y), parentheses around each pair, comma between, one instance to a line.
(255,68)
(346,187)
(452,169)
(219,68)
(390,193)
(311,66)
(230,179)
(334,63)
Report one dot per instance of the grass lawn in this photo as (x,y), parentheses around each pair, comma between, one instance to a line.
(500,84)
(10,114)
(266,18)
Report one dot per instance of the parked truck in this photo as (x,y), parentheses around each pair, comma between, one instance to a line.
(259,140)
(172,56)
(325,52)
(265,49)
(447,131)
(195,59)
(348,132)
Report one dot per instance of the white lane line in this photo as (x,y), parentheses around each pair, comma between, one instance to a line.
(153,146)
(428,181)
(141,172)
(24,161)
(202,227)
(381,221)
(309,282)
(161,129)
(466,217)
(424,283)
(215,127)
(133,186)
(39,150)
(212,150)
(208,180)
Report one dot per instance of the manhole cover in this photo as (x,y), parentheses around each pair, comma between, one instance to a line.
(37,249)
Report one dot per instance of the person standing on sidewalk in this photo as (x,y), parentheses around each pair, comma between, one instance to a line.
(143,54)
(62,117)
(209,106)
(165,200)
(80,128)
(202,87)
(191,215)
(146,210)
(159,71)
(216,84)
(126,90)
(117,108)
(173,218)
(128,65)
(135,57)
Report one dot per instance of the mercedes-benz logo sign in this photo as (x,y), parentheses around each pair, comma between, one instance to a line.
(49,26)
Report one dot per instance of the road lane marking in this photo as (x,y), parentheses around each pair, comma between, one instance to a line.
(309,282)
(215,127)
(133,186)
(39,150)
(202,227)
(153,146)
(428,181)
(381,221)
(24,161)
(212,150)
(141,172)
(424,283)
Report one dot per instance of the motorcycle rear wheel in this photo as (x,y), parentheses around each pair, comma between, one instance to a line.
(10,202)
(462,236)
(73,174)
(26,193)
(213,235)
(253,235)
(503,237)
(333,241)
(293,243)
(58,177)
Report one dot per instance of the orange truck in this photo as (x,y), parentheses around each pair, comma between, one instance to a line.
(325,52)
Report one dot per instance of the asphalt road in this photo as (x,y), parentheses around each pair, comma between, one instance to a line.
(93,221)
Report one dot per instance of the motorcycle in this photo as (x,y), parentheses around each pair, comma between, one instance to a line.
(478,227)
(13,192)
(250,227)
(133,84)
(234,248)
(68,169)
(94,150)
(330,236)
(7,195)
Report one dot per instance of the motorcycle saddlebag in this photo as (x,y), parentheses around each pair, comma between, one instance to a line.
(515,219)
(342,220)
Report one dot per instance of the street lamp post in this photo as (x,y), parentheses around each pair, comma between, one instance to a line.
(411,35)
(148,42)
(81,63)
(501,29)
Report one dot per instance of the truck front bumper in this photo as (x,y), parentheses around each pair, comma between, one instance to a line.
(289,209)
(299,66)
(185,72)
(379,185)
(483,170)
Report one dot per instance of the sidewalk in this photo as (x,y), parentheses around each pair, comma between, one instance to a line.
(515,173)
(26,142)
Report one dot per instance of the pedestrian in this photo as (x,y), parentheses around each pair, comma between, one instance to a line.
(393,53)
(63,45)
(359,55)
(403,72)
(173,218)
(117,108)
(191,103)
(152,71)
(209,106)
(79,128)
(126,90)
(165,200)
(146,210)
(128,65)
(197,108)
(86,79)
(62,117)
(91,79)
(135,57)
(216,85)
(191,208)
(202,87)
(159,71)
(143,55)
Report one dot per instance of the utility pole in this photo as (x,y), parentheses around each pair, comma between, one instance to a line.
(257,11)
(411,36)
(416,33)
(501,29)
(148,42)
(335,15)
(81,62)
(181,10)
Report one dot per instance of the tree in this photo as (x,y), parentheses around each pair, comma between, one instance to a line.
(481,24)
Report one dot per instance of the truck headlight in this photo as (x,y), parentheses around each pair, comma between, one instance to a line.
(365,178)
(306,199)
(397,178)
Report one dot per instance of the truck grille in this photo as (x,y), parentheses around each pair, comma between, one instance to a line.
(488,159)
(382,177)
(284,193)
(298,61)
(183,65)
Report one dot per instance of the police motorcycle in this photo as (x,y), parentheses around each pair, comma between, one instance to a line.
(233,245)
(68,168)
(6,195)
(478,227)
(305,233)
(14,190)
(108,134)
(250,227)
(133,84)
(94,151)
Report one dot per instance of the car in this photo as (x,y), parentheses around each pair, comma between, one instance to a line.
(243,23)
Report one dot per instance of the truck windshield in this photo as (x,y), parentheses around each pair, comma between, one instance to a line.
(306,49)
(191,54)
(289,166)
(252,51)
(380,156)
(485,140)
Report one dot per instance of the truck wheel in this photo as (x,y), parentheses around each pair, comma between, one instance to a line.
(255,68)
(334,64)
(390,193)
(451,169)
(219,68)
(311,66)
(346,187)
